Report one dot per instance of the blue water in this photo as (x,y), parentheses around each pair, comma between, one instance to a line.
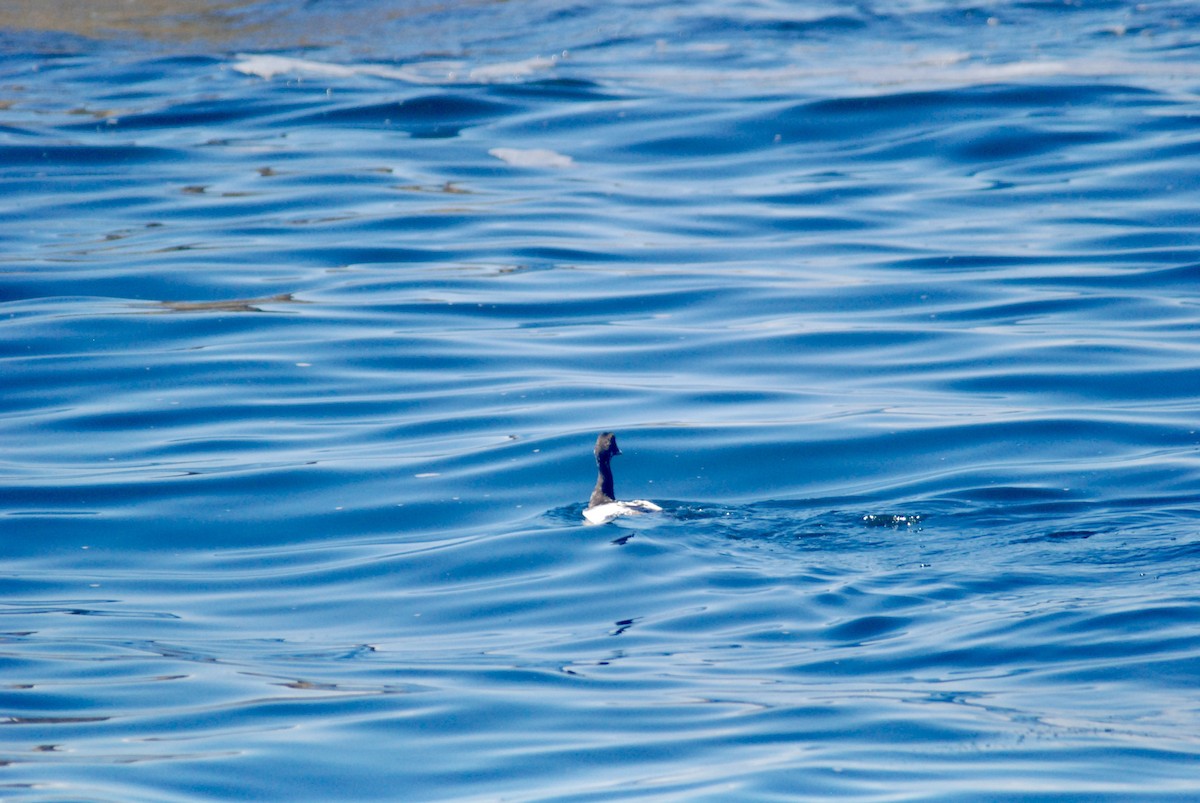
(310,314)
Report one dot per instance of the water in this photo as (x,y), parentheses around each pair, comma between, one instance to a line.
(310,314)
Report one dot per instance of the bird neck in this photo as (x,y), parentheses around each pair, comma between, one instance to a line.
(604,484)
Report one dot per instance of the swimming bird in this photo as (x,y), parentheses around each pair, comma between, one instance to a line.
(602,507)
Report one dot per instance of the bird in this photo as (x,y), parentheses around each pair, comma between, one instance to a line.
(603,507)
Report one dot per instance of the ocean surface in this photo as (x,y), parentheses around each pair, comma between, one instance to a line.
(310,314)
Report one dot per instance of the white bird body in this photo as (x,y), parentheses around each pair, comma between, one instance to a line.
(602,507)
(603,514)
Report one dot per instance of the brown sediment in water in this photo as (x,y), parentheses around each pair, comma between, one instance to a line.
(231,305)
(163,20)
(206,22)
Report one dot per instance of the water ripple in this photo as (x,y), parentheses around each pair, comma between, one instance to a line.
(305,349)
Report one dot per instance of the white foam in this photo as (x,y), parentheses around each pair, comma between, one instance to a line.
(532,157)
(431,72)
(510,70)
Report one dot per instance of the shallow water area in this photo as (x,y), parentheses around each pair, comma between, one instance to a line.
(310,318)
